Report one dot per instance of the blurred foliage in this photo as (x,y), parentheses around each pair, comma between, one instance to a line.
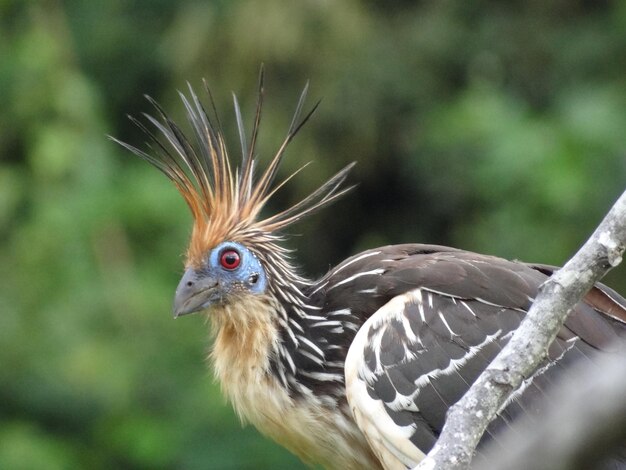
(497,127)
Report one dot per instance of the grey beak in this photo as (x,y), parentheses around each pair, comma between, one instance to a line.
(195,292)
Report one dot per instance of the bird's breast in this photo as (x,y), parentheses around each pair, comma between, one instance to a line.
(313,429)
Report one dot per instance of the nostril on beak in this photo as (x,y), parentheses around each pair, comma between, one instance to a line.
(195,292)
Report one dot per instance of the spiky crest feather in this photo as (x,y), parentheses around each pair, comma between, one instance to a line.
(226,202)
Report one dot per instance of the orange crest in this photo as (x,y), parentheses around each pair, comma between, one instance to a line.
(225,203)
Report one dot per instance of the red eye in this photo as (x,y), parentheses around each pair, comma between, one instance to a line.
(230,259)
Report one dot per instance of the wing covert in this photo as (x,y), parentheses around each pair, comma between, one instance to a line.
(413,359)
(417,356)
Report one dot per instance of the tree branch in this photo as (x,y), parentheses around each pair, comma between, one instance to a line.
(469,417)
(576,434)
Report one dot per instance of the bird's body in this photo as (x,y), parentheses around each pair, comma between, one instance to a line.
(342,301)
(357,369)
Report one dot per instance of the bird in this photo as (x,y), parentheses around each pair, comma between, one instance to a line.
(358,368)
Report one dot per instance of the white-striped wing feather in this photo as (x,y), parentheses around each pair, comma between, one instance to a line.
(413,359)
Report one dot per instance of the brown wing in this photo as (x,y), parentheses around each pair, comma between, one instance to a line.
(441,315)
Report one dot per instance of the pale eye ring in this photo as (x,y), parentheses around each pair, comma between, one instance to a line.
(230,259)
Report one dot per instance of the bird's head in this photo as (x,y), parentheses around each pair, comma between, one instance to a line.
(232,253)
(230,269)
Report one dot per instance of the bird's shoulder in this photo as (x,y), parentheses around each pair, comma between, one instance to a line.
(368,280)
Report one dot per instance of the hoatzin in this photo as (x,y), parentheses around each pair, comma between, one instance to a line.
(356,369)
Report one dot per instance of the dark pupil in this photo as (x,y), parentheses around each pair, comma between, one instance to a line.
(230,259)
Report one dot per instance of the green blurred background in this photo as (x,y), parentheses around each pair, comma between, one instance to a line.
(492,126)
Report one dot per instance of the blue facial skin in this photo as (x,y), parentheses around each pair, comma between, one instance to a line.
(216,283)
(248,276)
